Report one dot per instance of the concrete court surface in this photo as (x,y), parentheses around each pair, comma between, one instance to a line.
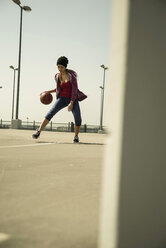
(49,189)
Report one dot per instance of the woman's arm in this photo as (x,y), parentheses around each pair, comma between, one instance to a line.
(52,91)
(49,91)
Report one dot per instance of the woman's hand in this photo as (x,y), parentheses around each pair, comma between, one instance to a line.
(46,92)
(70,106)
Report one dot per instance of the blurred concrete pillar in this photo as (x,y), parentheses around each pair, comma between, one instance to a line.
(134,178)
(16,124)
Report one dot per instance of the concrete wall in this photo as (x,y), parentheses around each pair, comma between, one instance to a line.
(133,208)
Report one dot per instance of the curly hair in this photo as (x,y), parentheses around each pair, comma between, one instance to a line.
(63,61)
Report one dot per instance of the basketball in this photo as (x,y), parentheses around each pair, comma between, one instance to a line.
(46,98)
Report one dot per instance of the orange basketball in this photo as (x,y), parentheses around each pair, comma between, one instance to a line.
(46,98)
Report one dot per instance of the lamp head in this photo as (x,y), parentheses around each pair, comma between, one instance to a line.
(12,67)
(103,66)
(26,8)
(17,2)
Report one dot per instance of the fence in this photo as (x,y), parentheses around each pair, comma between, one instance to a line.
(57,127)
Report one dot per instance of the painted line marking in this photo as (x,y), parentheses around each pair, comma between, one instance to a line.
(52,143)
(4,237)
(28,145)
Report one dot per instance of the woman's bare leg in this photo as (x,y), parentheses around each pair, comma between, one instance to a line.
(77,129)
(43,125)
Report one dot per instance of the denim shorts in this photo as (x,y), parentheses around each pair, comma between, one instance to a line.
(61,103)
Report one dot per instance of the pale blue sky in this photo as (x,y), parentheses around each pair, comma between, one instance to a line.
(79,30)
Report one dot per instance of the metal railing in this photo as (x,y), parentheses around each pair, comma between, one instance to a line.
(57,127)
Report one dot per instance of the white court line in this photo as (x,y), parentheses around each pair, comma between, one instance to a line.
(4,237)
(28,145)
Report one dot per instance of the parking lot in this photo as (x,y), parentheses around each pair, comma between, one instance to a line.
(49,189)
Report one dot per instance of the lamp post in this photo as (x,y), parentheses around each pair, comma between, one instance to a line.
(26,8)
(27,122)
(14,69)
(102,99)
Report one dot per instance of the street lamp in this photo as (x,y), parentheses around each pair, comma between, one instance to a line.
(27,122)
(102,98)
(26,8)
(14,69)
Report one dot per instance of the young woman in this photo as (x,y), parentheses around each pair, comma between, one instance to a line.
(66,94)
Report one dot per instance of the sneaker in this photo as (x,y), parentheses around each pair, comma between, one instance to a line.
(76,139)
(36,135)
